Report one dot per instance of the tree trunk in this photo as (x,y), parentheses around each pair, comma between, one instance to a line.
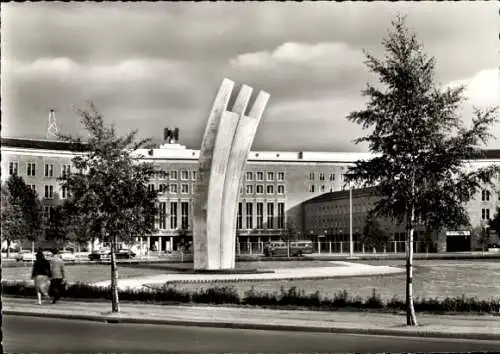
(8,248)
(411,318)
(115,301)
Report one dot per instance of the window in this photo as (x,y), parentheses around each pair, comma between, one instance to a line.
(173,215)
(270,176)
(49,170)
(193,175)
(485,214)
(260,176)
(270,189)
(322,187)
(162,215)
(249,189)
(239,219)
(151,187)
(163,188)
(13,165)
(184,175)
(64,192)
(260,189)
(332,176)
(281,215)
(270,215)
(249,215)
(49,191)
(173,188)
(173,174)
(260,215)
(311,188)
(66,170)
(184,215)
(485,195)
(33,187)
(311,176)
(31,169)
(281,176)
(184,188)
(281,189)
(46,211)
(249,176)
(321,176)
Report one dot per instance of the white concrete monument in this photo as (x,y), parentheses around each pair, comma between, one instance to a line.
(227,140)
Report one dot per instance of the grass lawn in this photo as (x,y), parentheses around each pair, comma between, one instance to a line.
(84,272)
(99,272)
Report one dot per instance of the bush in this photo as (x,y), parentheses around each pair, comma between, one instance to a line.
(218,295)
(291,297)
(259,298)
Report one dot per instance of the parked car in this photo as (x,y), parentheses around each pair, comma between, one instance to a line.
(127,254)
(25,256)
(97,255)
(105,254)
(280,248)
(48,254)
(67,256)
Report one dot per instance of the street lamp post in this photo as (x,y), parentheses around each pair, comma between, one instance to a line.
(351,246)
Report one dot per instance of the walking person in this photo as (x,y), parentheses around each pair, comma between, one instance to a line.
(57,282)
(41,275)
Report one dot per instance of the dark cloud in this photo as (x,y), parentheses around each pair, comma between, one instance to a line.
(148,65)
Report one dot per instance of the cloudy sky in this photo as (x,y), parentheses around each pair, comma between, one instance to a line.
(152,65)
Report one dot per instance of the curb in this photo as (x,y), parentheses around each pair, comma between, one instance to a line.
(401,332)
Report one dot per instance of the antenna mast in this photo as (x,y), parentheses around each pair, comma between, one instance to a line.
(52,126)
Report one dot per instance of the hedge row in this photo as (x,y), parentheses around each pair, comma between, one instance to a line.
(292,297)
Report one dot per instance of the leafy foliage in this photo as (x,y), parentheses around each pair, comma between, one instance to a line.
(108,190)
(374,234)
(495,222)
(422,145)
(21,211)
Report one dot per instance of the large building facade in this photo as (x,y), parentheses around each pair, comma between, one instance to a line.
(273,197)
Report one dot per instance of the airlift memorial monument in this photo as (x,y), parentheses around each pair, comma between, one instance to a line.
(226,143)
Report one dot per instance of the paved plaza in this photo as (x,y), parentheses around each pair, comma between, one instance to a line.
(336,269)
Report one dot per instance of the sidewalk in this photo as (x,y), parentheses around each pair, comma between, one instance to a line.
(460,326)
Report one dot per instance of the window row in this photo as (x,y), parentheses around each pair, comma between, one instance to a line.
(49,191)
(259,189)
(274,217)
(169,218)
(322,188)
(172,188)
(31,169)
(184,175)
(322,176)
(259,176)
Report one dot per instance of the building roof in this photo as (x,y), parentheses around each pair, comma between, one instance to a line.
(42,144)
(180,152)
(342,195)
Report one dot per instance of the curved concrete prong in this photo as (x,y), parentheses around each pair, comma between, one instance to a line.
(218,173)
(259,105)
(200,205)
(243,140)
(241,103)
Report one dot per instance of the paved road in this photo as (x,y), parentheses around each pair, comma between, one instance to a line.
(24,334)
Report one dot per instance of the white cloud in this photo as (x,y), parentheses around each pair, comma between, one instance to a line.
(482,89)
(323,54)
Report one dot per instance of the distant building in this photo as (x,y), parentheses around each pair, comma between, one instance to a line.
(275,188)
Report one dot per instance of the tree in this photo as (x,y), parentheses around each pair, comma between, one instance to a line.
(289,234)
(108,190)
(13,224)
(420,143)
(374,235)
(21,212)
